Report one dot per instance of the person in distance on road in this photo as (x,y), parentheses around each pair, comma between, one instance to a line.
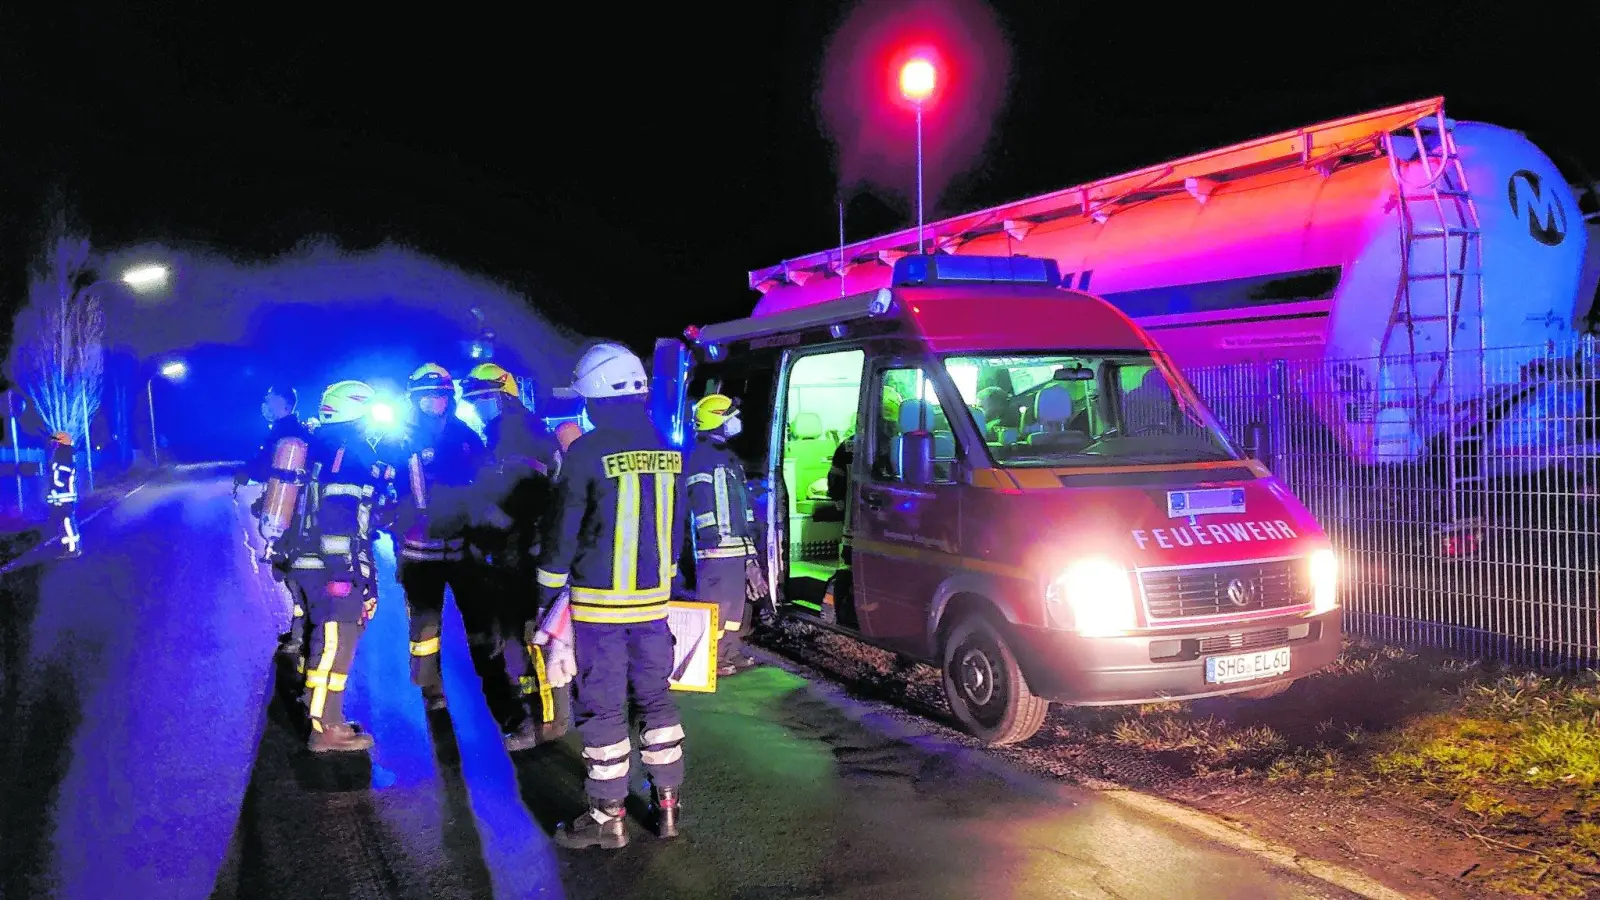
(616,533)
(63,495)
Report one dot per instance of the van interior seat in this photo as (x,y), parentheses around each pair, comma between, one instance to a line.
(1151,405)
(807,457)
(811,450)
(913,415)
(1053,408)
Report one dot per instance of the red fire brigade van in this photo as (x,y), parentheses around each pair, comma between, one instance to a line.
(981,470)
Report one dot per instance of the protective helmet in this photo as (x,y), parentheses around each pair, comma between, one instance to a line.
(62,438)
(345,401)
(487,379)
(609,370)
(713,410)
(430,379)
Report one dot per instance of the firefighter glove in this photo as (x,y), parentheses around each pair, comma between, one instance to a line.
(560,664)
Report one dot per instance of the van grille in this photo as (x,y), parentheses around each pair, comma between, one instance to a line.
(1249,640)
(1204,591)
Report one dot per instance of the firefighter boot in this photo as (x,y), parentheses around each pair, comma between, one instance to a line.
(602,826)
(433,697)
(665,809)
(343,737)
(528,734)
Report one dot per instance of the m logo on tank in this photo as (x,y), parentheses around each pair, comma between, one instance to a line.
(1546,217)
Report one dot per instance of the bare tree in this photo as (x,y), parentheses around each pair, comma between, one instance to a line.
(58,356)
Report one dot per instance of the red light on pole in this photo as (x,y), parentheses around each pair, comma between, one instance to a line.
(917,80)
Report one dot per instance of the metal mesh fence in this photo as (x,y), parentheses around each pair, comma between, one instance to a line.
(1462,498)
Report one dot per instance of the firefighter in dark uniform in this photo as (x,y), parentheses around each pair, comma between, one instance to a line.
(279,408)
(514,496)
(328,558)
(442,457)
(616,534)
(63,495)
(725,567)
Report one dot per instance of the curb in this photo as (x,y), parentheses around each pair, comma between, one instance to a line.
(871,713)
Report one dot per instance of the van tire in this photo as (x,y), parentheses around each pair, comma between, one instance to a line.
(976,661)
(1266,693)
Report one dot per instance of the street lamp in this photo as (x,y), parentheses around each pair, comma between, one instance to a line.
(917,81)
(172,371)
(145,277)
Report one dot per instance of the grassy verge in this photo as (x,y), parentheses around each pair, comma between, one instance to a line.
(1511,759)
(1475,779)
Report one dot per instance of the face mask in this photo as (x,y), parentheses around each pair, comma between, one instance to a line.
(486,409)
(732,427)
(266,411)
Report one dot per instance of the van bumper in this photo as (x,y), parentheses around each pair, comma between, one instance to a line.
(1170,665)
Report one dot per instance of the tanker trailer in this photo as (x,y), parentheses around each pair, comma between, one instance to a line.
(1364,253)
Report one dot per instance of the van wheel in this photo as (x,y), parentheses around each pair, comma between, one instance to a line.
(985,686)
(1268,692)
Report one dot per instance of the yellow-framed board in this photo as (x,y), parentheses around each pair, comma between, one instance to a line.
(696,628)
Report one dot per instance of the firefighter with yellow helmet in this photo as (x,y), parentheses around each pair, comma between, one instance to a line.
(726,565)
(63,495)
(514,497)
(443,456)
(329,562)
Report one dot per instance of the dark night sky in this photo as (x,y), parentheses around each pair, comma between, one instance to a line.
(628,168)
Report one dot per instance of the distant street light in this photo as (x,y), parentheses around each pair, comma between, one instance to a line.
(917,81)
(172,371)
(144,277)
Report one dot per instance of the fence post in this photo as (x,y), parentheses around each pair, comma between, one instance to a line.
(1277,415)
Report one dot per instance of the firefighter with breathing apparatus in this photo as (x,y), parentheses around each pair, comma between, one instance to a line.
(280,464)
(611,554)
(327,552)
(63,495)
(513,498)
(443,455)
(726,566)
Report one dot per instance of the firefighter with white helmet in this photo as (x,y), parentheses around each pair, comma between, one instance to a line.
(726,569)
(63,495)
(329,561)
(443,455)
(614,546)
(513,500)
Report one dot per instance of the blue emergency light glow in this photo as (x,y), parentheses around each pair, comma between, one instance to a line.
(944,269)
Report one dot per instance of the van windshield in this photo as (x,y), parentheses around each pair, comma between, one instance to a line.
(1069,409)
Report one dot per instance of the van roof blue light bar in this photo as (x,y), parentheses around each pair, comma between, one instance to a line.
(944,269)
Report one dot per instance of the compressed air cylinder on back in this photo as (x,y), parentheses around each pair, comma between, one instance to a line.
(282,495)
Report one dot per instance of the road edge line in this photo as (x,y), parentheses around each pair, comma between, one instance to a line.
(1235,836)
(1209,825)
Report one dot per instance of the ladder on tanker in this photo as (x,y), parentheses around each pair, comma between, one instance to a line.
(1440,295)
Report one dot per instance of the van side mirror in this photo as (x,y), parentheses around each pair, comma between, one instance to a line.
(916,457)
(1255,441)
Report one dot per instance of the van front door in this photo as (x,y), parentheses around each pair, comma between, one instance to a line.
(908,537)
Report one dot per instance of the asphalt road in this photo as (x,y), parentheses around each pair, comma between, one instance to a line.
(145,757)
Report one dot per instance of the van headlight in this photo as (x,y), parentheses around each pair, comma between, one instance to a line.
(1324,582)
(1093,597)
